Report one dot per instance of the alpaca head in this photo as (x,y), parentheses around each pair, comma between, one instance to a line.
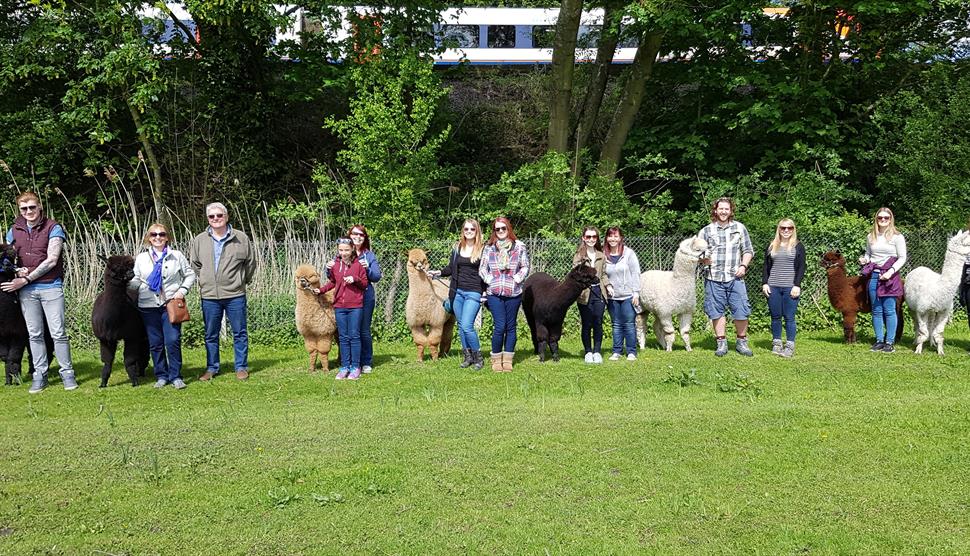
(418,261)
(307,277)
(692,248)
(8,262)
(960,243)
(119,270)
(832,259)
(583,275)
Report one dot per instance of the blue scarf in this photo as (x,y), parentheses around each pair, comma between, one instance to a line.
(155,278)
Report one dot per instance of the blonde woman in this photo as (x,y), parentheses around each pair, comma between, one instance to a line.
(782,283)
(465,290)
(161,274)
(885,256)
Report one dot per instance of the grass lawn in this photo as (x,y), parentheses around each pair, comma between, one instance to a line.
(838,451)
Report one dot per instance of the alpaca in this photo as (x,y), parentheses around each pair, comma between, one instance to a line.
(850,296)
(314,316)
(431,327)
(545,301)
(115,317)
(930,295)
(13,329)
(669,293)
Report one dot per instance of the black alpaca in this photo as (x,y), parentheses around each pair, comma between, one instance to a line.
(13,329)
(115,317)
(545,301)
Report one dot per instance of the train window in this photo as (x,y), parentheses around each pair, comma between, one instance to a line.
(459,36)
(627,39)
(588,36)
(501,36)
(543,36)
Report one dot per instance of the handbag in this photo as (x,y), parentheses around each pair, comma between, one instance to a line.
(447,306)
(178,311)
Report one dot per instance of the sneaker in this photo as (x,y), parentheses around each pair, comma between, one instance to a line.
(242,374)
(342,374)
(877,346)
(160,383)
(354,374)
(741,346)
(788,351)
(207,376)
(888,348)
(631,357)
(178,383)
(588,358)
(70,383)
(366,369)
(722,348)
(615,357)
(776,346)
(597,358)
(38,383)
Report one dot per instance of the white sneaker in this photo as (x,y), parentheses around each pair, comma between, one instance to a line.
(366,369)
(631,357)
(179,384)
(589,357)
(160,383)
(615,357)
(597,358)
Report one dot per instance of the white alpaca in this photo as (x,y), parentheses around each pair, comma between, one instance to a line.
(930,295)
(668,293)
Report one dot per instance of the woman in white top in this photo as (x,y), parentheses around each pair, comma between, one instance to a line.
(161,274)
(623,271)
(885,256)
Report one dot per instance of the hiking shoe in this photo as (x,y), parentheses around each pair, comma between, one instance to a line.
(342,374)
(888,348)
(597,358)
(877,346)
(615,357)
(242,374)
(741,346)
(722,348)
(588,358)
(38,383)
(178,383)
(70,383)
(776,346)
(788,350)
(354,374)
(207,376)
(631,357)
(366,369)
(160,383)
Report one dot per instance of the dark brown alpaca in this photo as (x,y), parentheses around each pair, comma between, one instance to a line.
(115,317)
(849,296)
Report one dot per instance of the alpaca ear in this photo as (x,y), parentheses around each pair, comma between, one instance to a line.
(838,253)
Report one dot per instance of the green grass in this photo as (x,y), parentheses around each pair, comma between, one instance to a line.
(838,451)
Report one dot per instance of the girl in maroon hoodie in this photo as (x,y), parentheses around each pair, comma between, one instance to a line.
(348,279)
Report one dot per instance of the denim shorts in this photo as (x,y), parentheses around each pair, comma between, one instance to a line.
(719,296)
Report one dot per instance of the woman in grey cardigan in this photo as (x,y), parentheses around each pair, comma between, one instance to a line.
(623,271)
(162,273)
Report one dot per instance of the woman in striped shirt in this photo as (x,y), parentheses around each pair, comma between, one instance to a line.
(781,282)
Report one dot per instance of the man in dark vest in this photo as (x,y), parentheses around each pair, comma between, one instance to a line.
(39,241)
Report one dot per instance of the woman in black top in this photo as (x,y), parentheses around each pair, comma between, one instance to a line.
(781,282)
(465,290)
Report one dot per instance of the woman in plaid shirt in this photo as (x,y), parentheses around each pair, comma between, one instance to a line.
(504,266)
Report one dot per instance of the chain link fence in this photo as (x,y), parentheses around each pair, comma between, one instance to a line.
(272,293)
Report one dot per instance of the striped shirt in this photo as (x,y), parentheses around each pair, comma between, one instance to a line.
(782,272)
(726,245)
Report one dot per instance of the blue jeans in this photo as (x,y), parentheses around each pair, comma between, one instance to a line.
(624,325)
(504,312)
(591,318)
(348,328)
(466,308)
(882,308)
(38,304)
(366,340)
(781,305)
(164,343)
(235,310)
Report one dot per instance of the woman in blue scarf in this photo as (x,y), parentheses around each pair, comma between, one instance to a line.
(161,274)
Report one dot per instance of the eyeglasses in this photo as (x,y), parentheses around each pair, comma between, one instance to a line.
(786,228)
(157,234)
(500,228)
(469,230)
(881,217)
(214,216)
(29,208)
(591,237)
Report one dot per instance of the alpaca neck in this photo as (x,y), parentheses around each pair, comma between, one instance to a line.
(952,270)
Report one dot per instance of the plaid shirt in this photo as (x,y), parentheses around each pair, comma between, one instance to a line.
(508,282)
(726,246)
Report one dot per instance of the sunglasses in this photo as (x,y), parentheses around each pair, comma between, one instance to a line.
(500,228)
(591,237)
(882,218)
(158,234)
(28,208)
(469,230)
(357,233)
(215,216)
(786,228)
(344,241)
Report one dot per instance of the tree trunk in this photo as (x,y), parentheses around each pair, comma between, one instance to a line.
(563,66)
(161,211)
(626,111)
(609,37)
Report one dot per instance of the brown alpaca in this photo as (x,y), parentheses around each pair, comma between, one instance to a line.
(849,296)
(431,327)
(314,316)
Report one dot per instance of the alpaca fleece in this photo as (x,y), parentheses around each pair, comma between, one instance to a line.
(431,326)
(115,318)
(929,295)
(545,301)
(669,293)
(314,316)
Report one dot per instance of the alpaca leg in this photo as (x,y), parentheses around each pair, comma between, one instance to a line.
(685,322)
(848,326)
(554,348)
(667,322)
(542,341)
(132,355)
(658,332)
(641,333)
(108,348)
(941,319)
(554,332)
(434,340)
(447,334)
(420,337)
(323,348)
(920,324)
(311,350)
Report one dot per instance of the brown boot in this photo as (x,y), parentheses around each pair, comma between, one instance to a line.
(507,357)
(497,362)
